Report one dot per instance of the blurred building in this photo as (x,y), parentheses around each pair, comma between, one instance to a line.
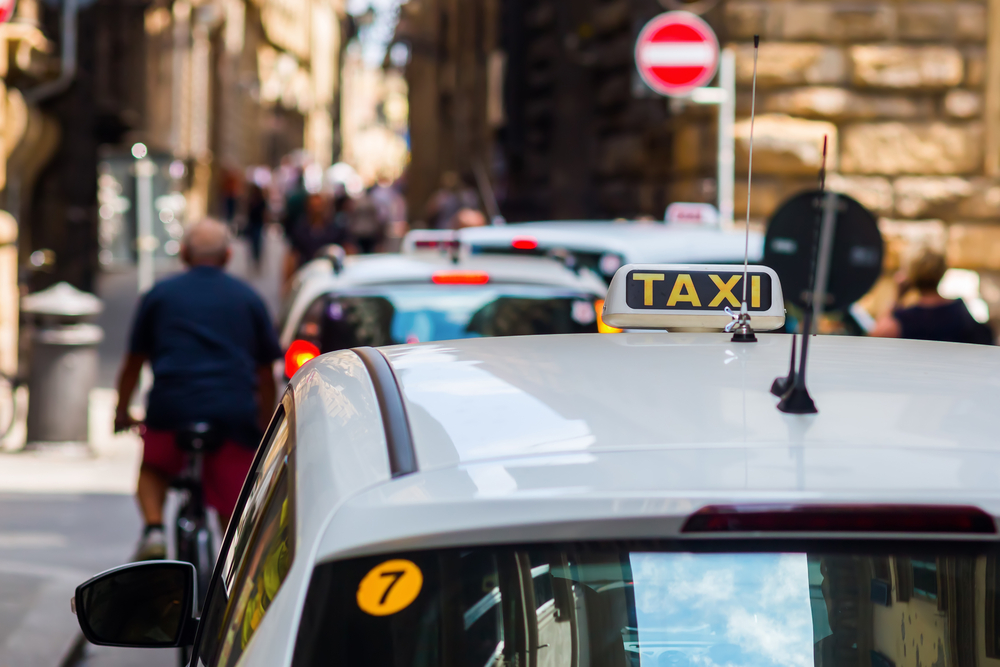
(210,86)
(544,95)
(374,118)
(26,140)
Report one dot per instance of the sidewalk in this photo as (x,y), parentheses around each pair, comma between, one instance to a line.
(64,515)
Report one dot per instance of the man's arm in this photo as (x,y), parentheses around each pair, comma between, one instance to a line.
(128,380)
(266,395)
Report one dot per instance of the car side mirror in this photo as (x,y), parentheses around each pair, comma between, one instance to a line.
(142,605)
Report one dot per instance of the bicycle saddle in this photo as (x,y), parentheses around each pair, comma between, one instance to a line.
(201,437)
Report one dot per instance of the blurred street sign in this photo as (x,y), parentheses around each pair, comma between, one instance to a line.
(7,9)
(687,213)
(676,53)
(793,240)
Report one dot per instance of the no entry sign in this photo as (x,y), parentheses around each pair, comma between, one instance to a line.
(7,9)
(676,53)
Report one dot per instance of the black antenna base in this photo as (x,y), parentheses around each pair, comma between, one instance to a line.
(780,386)
(741,328)
(797,402)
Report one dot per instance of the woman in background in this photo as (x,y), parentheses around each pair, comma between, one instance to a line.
(932,317)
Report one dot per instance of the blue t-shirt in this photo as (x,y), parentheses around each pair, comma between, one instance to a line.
(205,334)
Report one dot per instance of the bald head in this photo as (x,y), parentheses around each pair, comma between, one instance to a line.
(206,243)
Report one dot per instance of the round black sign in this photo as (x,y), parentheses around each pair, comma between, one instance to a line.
(792,243)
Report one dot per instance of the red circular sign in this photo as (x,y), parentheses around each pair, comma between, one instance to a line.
(7,9)
(676,53)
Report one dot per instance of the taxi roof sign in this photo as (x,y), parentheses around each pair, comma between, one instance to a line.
(692,296)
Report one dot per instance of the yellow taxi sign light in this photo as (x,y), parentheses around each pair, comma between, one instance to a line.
(692,296)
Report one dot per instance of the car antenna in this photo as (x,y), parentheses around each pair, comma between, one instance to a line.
(743,332)
(781,385)
(796,400)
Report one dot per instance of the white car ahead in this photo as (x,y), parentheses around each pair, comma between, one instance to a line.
(605,501)
(380,300)
(605,246)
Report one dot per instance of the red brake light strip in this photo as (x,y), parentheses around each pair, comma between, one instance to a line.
(841,519)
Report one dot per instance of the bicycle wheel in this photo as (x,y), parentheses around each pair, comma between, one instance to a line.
(194,545)
(203,563)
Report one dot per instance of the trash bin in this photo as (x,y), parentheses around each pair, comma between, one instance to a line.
(64,363)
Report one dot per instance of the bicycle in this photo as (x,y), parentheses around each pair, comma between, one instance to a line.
(192,533)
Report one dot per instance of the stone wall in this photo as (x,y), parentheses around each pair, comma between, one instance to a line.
(896,85)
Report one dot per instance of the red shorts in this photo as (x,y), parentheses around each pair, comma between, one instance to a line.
(223,473)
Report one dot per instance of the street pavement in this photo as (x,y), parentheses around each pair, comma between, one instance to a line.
(67,513)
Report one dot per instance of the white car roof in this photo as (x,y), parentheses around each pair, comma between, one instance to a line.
(392,269)
(637,242)
(563,437)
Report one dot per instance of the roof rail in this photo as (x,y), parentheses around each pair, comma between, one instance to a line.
(398,438)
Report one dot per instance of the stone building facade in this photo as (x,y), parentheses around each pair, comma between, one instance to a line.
(908,93)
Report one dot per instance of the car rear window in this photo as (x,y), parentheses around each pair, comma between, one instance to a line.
(421,314)
(650,605)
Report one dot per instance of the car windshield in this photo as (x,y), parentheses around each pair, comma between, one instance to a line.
(420,314)
(598,605)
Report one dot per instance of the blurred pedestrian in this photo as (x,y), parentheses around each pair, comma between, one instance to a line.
(454,195)
(230,186)
(316,228)
(468,217)
(256,217)
(390,205)
(295,203)
(931,316)
(211,345)
(366,226)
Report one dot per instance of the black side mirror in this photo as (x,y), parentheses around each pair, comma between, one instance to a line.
(142,605)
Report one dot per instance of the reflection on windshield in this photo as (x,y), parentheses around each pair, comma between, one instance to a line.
(420,315)
(603,606)
(745,609)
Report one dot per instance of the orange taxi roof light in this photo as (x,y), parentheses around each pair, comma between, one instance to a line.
(601,326)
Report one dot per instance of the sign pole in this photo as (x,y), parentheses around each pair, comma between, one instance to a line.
(727,137)
(724,96)
(145,169)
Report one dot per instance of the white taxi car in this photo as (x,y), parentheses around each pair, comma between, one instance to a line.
(482,503)
(379,300)
(605,246)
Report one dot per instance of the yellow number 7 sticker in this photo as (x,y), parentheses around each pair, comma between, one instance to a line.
(390,587)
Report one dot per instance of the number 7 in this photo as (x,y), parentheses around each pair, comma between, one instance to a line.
(396,576)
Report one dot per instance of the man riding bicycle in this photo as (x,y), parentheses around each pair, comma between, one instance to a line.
(211,345)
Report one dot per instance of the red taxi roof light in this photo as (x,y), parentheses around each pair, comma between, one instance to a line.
(524,243)
(460,278)
(299,353)
(841,519)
